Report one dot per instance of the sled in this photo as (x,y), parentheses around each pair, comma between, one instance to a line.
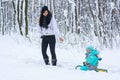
(101,70)
(98,69)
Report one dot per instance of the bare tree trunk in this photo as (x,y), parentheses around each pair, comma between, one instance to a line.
(26,18)
(21,13)
(14,15)
(0,16)
(73,17)
(2,19)
(18,17)
(68,28)
(100,13)
(52,7)
(76,15)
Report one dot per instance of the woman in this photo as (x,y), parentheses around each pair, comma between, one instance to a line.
(48,30)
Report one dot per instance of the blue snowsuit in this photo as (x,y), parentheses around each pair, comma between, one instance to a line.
(91,58)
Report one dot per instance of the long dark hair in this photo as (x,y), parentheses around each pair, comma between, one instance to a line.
(48,17)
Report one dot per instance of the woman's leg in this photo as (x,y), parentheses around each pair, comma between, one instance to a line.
(44,50)
(52,42)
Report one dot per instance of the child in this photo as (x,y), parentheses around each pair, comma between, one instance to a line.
(92,59)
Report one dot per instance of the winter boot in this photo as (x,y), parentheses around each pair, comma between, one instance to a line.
(46,61)
(54,62)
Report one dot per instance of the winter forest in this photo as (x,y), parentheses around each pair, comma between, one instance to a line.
(81,22)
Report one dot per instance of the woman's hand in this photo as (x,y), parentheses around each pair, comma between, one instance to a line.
(61,39)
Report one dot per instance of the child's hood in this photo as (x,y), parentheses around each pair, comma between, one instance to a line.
(90,48)
(93,51)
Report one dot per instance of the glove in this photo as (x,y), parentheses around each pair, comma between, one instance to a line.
(86,64)
(99,59)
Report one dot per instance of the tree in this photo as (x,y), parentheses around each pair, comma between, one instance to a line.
(19,15)
(26,18)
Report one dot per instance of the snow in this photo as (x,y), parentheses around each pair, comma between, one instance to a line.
(20,60)
(112,5)
(6,0)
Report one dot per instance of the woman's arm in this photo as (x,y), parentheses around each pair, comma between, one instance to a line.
(56,30)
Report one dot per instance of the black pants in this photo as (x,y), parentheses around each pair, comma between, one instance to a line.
(51,41)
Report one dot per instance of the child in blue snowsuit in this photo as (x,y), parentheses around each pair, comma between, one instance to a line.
(91,58)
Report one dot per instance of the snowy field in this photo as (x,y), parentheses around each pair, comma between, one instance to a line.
(19,60)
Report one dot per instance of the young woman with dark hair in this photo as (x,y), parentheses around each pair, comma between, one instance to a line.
(49,31)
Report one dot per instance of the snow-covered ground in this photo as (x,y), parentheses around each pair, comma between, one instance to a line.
(19,60)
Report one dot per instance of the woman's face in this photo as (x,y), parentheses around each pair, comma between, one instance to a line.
(45,13)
